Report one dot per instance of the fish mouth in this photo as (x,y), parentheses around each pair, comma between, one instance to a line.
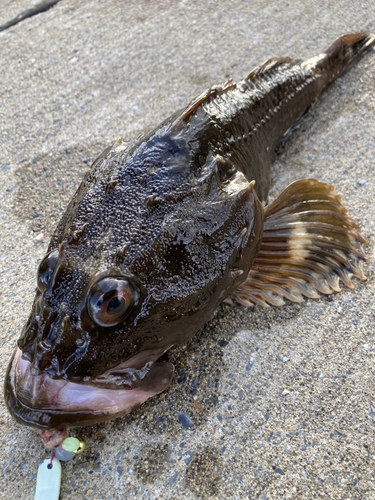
(38,401)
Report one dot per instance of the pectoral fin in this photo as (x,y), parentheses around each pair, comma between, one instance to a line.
(309,244)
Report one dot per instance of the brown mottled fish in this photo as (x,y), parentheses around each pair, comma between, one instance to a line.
(160,233)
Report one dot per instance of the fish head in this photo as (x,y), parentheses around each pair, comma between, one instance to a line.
(153,241)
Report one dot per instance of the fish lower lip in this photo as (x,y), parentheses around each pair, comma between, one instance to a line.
(46,403)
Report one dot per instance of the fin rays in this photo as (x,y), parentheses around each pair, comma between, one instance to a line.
(309,245)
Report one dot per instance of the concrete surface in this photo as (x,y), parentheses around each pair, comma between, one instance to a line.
(282,400)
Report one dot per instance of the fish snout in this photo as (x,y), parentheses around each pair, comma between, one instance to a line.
(40,342)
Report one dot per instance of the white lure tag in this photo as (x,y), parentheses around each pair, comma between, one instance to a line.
(48,480)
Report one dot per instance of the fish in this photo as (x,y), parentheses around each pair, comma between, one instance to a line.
(163,231)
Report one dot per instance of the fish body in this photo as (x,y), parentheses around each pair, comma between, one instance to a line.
(160,233)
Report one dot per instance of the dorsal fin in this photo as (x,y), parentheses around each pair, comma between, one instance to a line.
(267,67)
(217,90)
(201,99)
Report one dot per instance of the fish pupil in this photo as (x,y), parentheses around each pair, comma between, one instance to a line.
(111,300)
(45,276)
(116,304)
(46,269)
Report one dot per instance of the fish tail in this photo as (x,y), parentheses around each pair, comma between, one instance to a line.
(344,53)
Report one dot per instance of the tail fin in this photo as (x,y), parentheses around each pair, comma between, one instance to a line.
(344,53)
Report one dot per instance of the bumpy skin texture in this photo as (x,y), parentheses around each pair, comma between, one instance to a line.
(179,216)
(152,216)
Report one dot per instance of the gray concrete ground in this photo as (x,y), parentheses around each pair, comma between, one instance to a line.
(282,400)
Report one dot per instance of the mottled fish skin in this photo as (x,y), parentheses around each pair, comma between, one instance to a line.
(175,221)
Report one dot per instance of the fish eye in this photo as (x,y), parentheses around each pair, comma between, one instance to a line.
(111,300)
(45,270)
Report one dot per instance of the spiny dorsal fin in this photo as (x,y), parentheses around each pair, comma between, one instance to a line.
(309,244)
(267,67)
(201,99)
